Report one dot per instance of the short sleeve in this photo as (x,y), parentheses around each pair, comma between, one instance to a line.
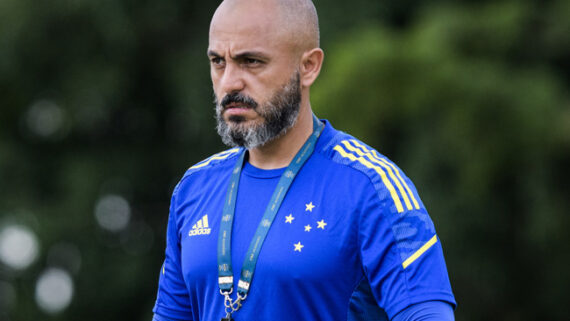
(401,253)
(172,300)
(427,311)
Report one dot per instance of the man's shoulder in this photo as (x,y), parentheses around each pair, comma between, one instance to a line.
(383,174)
(216,159)
(216,163)
(350,152)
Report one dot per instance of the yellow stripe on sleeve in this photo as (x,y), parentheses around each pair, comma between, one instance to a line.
(378,170)
(222,155)
(386,167)
(416,205)
(419,252)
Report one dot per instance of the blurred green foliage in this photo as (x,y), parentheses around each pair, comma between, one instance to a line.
(470,98)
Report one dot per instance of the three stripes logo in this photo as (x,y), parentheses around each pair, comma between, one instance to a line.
(389,173)
(201,227)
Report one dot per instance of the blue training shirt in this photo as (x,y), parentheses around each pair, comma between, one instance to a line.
(351,241)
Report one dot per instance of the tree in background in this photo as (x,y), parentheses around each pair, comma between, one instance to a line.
(483,129)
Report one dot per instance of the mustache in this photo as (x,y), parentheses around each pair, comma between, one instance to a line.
(240,99)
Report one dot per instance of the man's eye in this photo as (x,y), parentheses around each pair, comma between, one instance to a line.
(217,61)
(252,61)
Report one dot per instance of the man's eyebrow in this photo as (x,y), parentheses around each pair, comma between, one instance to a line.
(212,53)
(249,54)
(241,55)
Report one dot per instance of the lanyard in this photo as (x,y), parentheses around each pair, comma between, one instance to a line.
(225,273)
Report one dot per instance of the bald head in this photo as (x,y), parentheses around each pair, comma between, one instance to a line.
(300,18)
(264,57)
(293,21)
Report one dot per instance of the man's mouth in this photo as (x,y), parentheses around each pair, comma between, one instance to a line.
(237,105)
(236,111)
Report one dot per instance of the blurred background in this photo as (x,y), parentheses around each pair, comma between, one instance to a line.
(104,104)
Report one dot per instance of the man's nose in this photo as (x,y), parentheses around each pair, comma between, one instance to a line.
(232,79)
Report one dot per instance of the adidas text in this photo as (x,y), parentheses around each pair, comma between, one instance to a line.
(201,227)
(201,231)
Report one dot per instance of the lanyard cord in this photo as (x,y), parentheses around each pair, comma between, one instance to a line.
(225,273)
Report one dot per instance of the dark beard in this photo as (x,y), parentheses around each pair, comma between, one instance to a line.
(280,114)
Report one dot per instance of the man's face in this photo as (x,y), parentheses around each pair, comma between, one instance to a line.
(278,114)
(255,79)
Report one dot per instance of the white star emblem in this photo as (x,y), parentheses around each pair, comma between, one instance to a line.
(265,223)
(289,174)
(321,224)
(298,246)
(309,207)
(289,219)
(308,228)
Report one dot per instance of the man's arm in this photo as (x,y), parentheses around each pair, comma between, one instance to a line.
(157,317)
(173,302)
(425,311)
(401,253)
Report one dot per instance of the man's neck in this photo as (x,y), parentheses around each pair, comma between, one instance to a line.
(279,152)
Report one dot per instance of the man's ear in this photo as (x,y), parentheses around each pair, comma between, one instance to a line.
(311,63)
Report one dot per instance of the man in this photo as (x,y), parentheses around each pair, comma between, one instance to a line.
(299,221)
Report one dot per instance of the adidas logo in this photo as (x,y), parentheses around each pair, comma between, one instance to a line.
(200,228)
